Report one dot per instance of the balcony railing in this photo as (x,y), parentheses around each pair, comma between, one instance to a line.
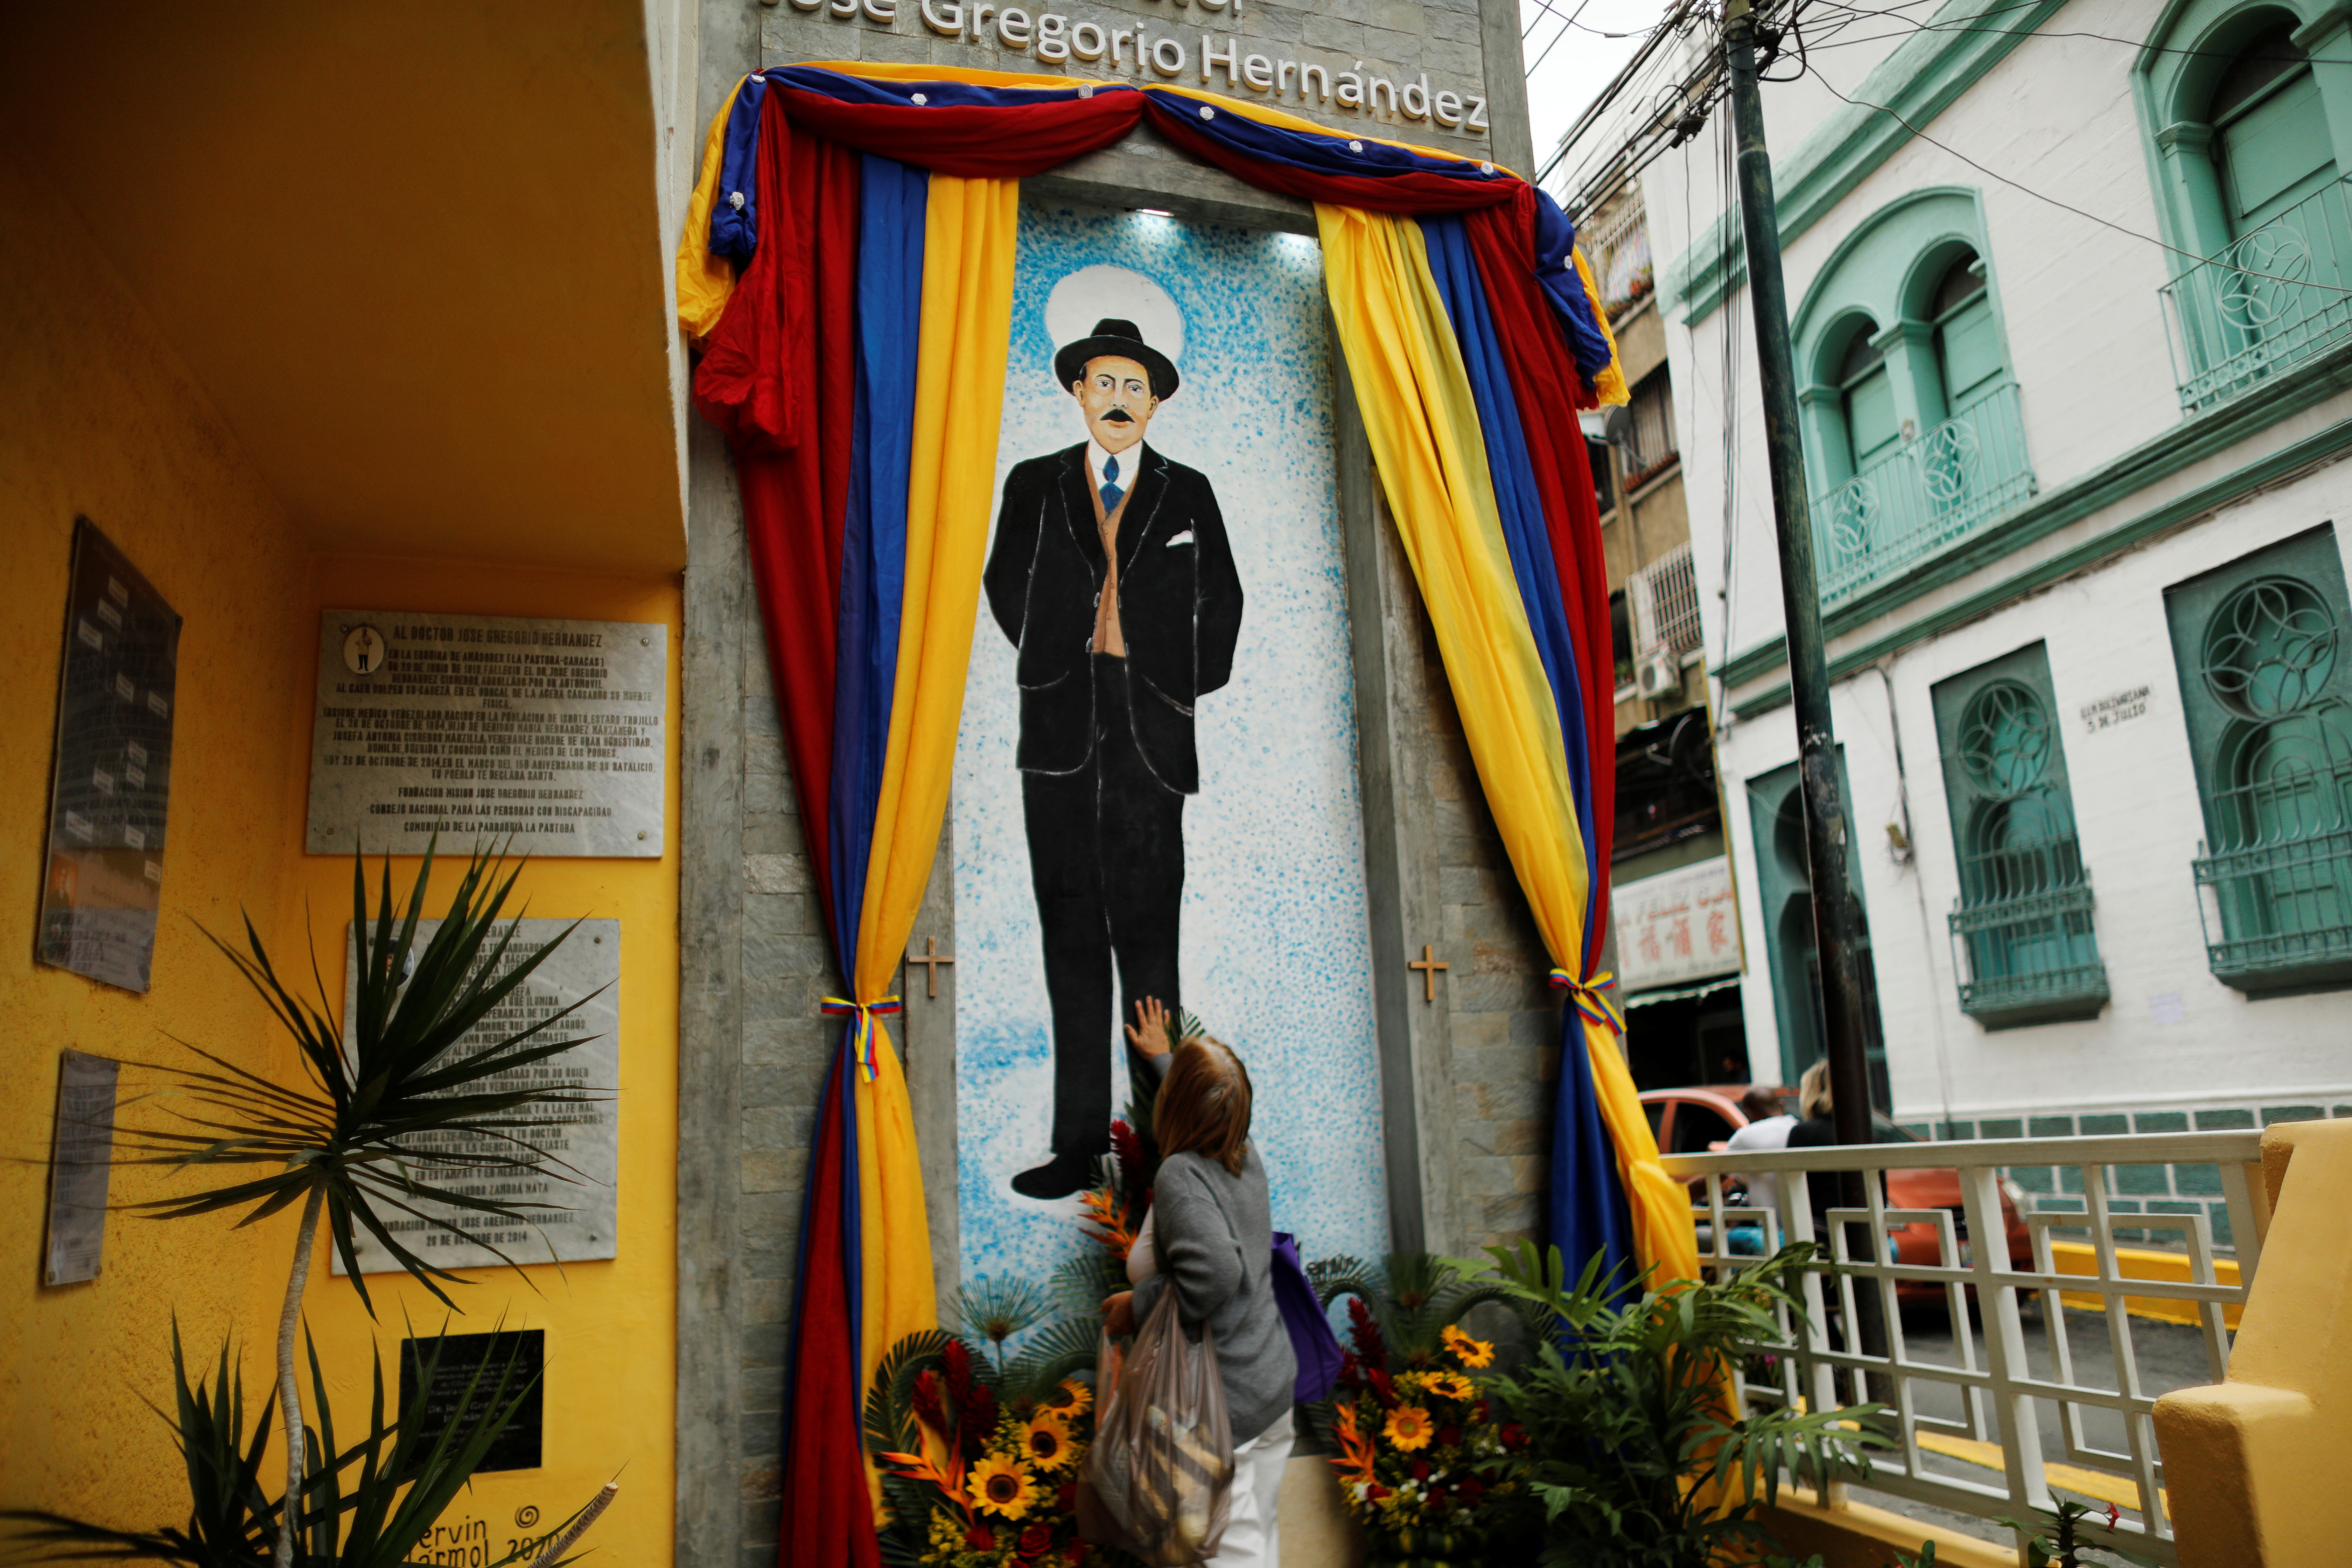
(2272,298)
(1927,496)
(2283,913)
(1619,258)
(1987,1427)
(2022,937)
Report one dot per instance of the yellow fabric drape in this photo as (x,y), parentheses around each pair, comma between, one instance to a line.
(704,280)
(1423,424)
(966,335)
(1611,382)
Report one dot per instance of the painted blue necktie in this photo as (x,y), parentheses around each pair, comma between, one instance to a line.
(1110,488)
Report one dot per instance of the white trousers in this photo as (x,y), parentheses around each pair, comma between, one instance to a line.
(1258,1465)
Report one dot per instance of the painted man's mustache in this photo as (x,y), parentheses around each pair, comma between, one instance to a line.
(1118,415)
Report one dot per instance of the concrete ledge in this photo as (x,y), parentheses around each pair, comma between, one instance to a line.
(1315,1531)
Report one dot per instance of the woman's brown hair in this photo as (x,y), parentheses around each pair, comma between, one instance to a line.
(1203,1104)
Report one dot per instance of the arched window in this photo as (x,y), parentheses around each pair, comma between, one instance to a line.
(2260,649)
(2021,930)
(1866,398)
(1913,427)
(2251,178)
(1784,886)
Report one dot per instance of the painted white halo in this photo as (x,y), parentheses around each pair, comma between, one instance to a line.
(1081,298)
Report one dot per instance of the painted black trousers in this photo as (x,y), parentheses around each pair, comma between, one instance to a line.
(1107,860)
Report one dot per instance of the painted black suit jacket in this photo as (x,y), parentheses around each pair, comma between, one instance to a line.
(1180,607)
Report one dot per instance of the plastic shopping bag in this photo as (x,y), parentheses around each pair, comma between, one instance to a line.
(1312,1342)
(1159,1478)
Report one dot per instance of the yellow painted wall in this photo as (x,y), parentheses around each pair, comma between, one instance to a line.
(97,416)
(611,1373)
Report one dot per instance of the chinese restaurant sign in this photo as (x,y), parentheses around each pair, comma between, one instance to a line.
(1675,926)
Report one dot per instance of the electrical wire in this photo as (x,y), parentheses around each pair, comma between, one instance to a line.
(1912,28)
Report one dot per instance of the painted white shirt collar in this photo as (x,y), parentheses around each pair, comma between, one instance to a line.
(1130,463)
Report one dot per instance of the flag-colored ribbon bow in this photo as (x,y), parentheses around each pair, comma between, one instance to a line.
(1591,996)
(862,1029)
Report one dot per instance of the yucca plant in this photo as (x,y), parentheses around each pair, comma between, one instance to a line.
(361,1506)
(346,1143)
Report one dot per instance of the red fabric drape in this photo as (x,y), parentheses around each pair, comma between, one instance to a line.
(1544,378)
(828,1519)
(779,378)
(1415,194)
(968,141)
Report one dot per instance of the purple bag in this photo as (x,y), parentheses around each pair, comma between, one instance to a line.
(1311,1339)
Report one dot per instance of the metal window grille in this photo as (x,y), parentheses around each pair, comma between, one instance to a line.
(1621,259)
(2273,300)
(1665,600)
(1648,439)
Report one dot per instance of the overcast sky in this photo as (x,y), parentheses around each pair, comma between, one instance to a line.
(1565,73)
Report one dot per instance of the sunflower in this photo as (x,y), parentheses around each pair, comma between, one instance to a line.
(999,1485)
(1451,1385)
(1469,1351)
(1409,1428)
(1046,1441)
(1068,1399)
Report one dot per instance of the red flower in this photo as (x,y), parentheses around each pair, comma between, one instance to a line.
(1448,1436)
(1514,1435)
(1370,1347)
(977,1539)
(978,1419)
(1066,1499)
(1077,1555)
(1374,1492)
(1421,1469)
(1351,1372)
(1478,1412)
(1470,1492)
(1129,1149)
(1383,1388)
(1035,1540)
(926,1400)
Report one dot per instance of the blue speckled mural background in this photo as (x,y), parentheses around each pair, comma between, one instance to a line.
(1276,957)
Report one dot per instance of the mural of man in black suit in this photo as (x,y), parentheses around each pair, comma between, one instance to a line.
(1112,575)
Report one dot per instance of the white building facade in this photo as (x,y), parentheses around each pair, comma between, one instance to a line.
(2080,512)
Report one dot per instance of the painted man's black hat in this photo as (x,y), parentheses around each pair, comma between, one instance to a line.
(1113,336)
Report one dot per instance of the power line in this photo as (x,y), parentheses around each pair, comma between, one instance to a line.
(1913,28)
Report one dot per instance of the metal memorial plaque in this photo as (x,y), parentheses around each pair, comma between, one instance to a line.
(447,1400)
(81,1159)
(550,732)
(584,1137)
(105,871)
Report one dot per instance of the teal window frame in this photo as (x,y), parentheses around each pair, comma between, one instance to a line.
(1784,886)
(2259,649)
(2023,936)
(2258,301)
(1951,472)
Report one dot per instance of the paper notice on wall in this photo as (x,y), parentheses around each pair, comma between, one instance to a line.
(1675,926)
(581,1141)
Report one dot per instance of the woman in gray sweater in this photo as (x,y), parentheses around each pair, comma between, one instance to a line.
(1211,1236)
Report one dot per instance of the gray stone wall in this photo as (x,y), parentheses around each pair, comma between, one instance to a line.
(1467,1079)
(1399,41)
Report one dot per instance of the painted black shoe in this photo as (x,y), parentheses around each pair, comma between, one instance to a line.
(1057,1177)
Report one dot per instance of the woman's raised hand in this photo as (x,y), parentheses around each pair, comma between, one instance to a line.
(1149,1033)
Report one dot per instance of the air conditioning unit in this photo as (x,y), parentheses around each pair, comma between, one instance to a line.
(1659,674)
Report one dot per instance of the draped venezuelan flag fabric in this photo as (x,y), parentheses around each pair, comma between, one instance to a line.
(848,266)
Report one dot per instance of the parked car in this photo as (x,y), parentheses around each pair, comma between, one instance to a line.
(1701,1119)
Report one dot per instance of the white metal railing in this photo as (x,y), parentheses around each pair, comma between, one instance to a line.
(2002,1395)
(1663,597)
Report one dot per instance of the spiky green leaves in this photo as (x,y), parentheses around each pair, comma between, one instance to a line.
(398,1126)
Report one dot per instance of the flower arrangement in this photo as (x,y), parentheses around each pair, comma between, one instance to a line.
(1420,1462)
(982,1463)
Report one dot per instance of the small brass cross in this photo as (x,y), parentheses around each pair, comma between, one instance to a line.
(1429,966)
(932,959)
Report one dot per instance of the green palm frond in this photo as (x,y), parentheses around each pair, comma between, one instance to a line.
(995,1306)
(367,1129)
(1065,1346)
(1080,1281)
